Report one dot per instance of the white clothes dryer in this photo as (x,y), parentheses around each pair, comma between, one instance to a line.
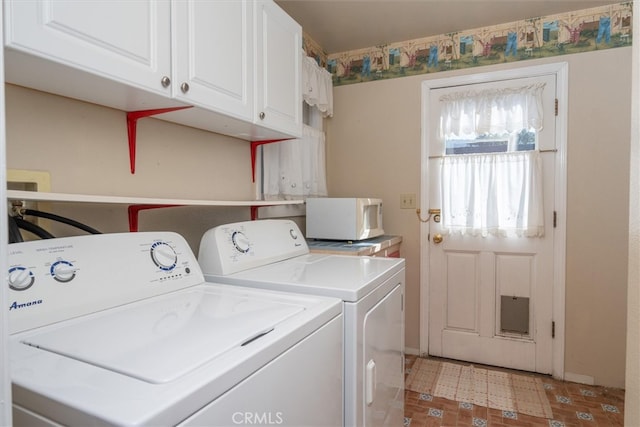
(273,254)
(120,329)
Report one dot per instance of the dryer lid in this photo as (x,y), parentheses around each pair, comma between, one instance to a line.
(163,338)
(349,278)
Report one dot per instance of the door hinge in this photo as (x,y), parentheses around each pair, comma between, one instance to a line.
(556,106)
(555,219)
(553,329)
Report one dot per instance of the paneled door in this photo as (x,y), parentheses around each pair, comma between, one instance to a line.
(491,296)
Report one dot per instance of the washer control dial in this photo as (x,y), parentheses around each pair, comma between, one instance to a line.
(20,278)
(63,271)
(294,234)
(164,256)
(240,242)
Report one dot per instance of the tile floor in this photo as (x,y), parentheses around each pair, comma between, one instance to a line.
(573,405)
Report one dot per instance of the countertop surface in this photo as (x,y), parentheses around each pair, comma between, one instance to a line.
(355,247)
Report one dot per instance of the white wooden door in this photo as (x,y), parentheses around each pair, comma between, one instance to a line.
(491,298)
(278,69)
(122,41)
(213,56)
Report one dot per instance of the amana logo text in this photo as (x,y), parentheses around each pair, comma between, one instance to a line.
(17,305)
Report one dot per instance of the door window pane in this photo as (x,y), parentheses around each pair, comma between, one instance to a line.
(525,140)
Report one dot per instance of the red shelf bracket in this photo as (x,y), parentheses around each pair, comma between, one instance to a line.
(254,147)
(132,121)
(135,209)
(254,212)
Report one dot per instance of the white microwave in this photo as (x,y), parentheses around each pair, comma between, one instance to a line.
(345,218)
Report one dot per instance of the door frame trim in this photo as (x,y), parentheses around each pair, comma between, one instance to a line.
(561,71)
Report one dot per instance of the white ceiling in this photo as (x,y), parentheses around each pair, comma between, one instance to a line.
(343,25)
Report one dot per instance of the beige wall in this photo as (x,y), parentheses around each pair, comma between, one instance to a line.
(84,147)
(374,150)
(632,384)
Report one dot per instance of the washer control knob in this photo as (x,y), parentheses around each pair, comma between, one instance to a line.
(20,278)
(164,256)
(63,271)
(294,234)
(240,242)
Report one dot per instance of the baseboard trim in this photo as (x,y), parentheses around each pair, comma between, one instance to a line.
(412,351)
(579,378)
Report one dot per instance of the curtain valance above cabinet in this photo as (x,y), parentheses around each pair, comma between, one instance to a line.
(317,86)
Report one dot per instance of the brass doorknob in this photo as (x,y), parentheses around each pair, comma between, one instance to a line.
(437,238)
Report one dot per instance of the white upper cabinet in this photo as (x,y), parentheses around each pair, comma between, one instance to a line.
(126,42)
(279,69)
(213,61)
(241,58)
(236,62)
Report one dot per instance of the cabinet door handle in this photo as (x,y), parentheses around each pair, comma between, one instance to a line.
(261,115)
(184,87)
(165,81)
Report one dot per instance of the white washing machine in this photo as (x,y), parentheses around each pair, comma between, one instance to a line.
(120,329)
(273,254)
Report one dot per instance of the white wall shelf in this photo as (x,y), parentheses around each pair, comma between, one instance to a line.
(129,200)
(136,204)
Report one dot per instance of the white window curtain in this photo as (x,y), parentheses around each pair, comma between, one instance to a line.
(494,193)
(295,169)
(498,194)
(494,112)
(317,86)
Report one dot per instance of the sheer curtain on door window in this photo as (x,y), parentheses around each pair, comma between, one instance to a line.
(295,169)
(491,168)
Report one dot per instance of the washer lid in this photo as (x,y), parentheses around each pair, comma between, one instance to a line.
(164,338)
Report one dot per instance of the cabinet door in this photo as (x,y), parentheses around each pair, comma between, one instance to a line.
(213,55)
(122,41)
(278,69)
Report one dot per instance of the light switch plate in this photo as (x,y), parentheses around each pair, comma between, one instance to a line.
(408,201)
